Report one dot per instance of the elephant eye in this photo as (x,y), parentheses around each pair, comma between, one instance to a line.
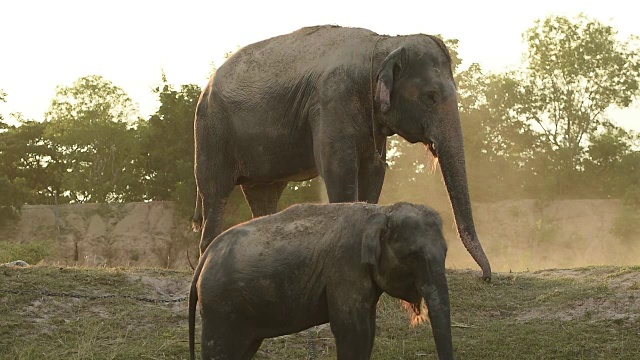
(429,98)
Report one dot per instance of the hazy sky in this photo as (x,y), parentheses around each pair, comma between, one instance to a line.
(48,43)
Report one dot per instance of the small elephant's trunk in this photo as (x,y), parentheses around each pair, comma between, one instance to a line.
(436,296)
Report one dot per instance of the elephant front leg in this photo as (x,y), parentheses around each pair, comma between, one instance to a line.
(342,185)
(263,198)
(354,331)
(370,179)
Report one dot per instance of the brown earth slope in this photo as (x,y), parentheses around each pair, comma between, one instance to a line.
(517,235)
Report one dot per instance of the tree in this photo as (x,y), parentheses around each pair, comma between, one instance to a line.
(167,146)
(13,190)
(575,70)
(92,124)
(12,196)
(499,145)
(452,46)
(3,98)
(26,154)
(611,167)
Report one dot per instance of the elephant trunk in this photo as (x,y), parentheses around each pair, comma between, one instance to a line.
(450,153)
(436,296)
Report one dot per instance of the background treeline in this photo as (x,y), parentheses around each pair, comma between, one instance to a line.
(540,131)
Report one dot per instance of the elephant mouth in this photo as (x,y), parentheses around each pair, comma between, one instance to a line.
(417,311)
(432,147)
(432,155)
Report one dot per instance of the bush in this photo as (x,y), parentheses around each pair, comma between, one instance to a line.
(632,197)
(626,226)
(32,252)
(12,195)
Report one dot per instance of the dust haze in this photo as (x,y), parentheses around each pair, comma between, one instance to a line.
(520,234)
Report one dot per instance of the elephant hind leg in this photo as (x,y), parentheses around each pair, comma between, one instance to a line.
(263,198)
(223,341)
(252,349)
(214,200)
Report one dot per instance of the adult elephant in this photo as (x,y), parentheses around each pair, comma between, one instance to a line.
(322,101)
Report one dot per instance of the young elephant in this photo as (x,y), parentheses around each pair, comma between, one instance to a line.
(313,264)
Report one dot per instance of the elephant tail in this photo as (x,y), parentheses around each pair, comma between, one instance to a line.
(196,220)
(196,223)
(193,302)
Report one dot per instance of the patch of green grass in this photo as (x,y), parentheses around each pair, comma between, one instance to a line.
(547,340)
(516,316)
(65,327)
(31,252)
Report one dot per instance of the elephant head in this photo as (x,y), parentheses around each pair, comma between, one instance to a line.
(417,99)
(406,250)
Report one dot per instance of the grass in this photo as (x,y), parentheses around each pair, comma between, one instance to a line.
(584,313)
(30,252)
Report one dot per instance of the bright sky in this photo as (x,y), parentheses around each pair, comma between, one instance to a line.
(48,43)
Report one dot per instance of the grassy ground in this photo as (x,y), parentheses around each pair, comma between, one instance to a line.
(584,313)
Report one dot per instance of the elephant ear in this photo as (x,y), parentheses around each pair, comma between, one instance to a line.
(386,77)
(374,229)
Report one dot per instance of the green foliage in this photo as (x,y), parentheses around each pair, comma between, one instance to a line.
(575,70)
(452,46)
(14,188)
(498,145)
(609,147)
(91,100)
(3,98)
(13,194)
(611,167)
(542,132)
(539,132)
(25,153)
(30,252)
(92,124)
(167,146)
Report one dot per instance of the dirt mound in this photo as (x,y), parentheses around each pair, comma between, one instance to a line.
(133,234)
(617,296)
(516,235)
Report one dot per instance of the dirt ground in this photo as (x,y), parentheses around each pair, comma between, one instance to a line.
(625,305)
(516,235)
(113,313)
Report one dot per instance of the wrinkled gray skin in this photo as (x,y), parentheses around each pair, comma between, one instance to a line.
(313,264)
(321,101)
